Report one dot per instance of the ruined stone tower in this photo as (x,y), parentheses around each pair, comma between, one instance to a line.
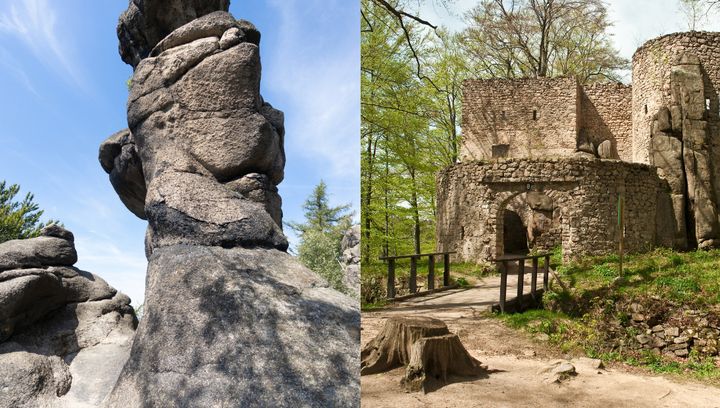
(545,161)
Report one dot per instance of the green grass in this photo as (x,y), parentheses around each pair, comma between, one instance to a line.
(579,318)
(689,277)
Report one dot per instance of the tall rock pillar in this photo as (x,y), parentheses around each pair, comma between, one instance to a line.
(230,318)
(680,149)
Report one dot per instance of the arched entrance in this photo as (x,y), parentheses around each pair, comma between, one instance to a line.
(514,234)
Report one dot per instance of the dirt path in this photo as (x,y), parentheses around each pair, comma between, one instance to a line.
(513,360)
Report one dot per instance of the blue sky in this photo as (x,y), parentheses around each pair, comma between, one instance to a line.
(63,92)
(634,21)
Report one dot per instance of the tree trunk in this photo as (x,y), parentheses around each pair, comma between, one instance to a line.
(391,347)
(433,359)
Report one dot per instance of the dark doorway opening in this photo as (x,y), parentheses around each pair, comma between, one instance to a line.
(514,234)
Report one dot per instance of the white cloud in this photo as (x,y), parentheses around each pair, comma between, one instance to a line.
(324,88)
(33,23)
(15,68)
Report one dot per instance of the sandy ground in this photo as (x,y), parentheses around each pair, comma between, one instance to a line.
(513,361)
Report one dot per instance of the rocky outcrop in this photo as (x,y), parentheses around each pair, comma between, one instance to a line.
(230,319)
(350,259)
(146,22)
(64,333)
(254,328)
(680,150)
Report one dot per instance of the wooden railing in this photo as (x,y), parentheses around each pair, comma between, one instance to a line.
(413,271)
(504,262)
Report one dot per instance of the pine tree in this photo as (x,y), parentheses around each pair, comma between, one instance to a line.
(18,219)
(320,235)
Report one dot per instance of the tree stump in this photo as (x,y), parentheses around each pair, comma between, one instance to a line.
(391,347)
(425,345)
(434,359)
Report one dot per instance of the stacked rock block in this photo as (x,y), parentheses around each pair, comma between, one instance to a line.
(677,128)
(64,333)
(230,318)
(572,202)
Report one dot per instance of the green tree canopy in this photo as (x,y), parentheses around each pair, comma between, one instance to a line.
(542,38)
(321,234)
(18,219)
(320,216)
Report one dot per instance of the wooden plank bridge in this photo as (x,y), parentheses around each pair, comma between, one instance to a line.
(490,293)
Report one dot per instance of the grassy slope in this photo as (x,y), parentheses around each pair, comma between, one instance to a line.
(690,279)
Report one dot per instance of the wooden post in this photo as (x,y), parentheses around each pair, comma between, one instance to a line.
(503,285)
(534,278)
(621,227)
(413,275)
(446,269)
(546,273)
(520,282)
(391,279)
(431,272)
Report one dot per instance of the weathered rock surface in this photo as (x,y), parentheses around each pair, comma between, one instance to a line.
(350,246)
(230,319)
(64,333)
(201,138)
(36,252)
(118,157)
(687,86)
(254,328)
(680,150)
(146,22)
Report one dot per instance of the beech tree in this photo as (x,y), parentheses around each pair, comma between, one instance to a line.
(542,38)
(412,74)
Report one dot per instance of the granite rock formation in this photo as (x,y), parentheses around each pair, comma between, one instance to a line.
(680,149)
(350,259)
(230,318)
(64,333)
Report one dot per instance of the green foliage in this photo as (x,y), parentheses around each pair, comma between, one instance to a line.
(530,39)
(409,129)
(321,234)
(18,219)
(586,317)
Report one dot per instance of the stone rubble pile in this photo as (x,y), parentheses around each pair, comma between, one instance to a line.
(679,334)
(64,333)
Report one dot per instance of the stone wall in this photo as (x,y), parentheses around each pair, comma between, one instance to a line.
(652,64)
(516,113)
(656,87)
(577,197)
(605,115)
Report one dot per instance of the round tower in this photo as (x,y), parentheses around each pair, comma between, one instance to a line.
(651,67)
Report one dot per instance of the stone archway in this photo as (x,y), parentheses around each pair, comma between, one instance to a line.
(515,239)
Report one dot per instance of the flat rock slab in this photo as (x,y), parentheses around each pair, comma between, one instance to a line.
(36,252)
(240,327)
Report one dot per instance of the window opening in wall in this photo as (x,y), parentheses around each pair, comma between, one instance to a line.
(646,109)
(502,115)
(707,104)
(462,232)
(534,114)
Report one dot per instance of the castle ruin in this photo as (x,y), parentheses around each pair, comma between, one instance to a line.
(544,162)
